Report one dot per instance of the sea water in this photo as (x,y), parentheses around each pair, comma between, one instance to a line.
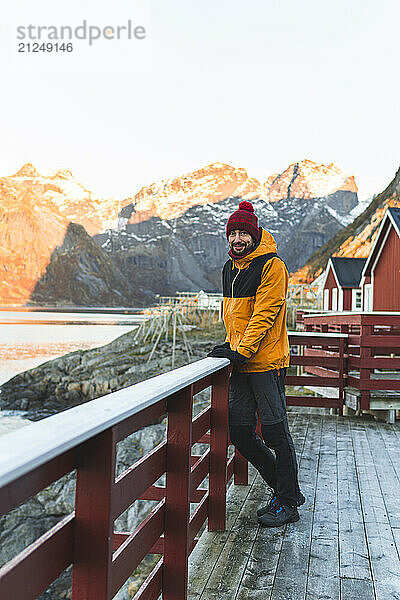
(28,339)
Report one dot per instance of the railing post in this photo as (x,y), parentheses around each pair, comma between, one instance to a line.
(341,375)
(93,518)
(177,495)
(365,373)
(218,450)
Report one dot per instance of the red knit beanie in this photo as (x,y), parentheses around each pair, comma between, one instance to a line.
(244,219)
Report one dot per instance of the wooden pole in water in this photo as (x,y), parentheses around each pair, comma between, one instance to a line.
(184,337)
(167,320)
(162,324)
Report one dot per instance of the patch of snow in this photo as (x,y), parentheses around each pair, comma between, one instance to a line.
(343,219)
(361,206)
(353,214)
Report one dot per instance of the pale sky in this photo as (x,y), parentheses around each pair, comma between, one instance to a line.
(258,84)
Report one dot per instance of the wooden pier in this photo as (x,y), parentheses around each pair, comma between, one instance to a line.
(346,545)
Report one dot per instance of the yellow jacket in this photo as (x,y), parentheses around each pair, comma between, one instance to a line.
(254,307)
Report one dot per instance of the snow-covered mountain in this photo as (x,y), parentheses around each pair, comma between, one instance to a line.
(171,236)
(35,212)
(168,236)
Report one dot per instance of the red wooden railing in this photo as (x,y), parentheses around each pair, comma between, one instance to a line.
(373,348)
(103,560)
(85,437)
(322,358)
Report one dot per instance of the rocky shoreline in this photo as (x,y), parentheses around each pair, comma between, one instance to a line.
(68,381)
(83,375)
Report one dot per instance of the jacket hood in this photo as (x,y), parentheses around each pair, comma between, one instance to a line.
(266,246)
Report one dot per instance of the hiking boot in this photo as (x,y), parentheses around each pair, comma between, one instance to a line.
(279,515)
(300,499)
(273,500)
(264,509)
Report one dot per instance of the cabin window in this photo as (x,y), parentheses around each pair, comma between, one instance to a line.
(368,297)
(334,299)
(326,299)
(356,300)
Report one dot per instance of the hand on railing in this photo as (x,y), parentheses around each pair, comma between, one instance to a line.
(225,345)
(224,351)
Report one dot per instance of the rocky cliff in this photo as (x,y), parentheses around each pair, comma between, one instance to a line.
(35,211)
(173,234)
(81,273)
(357,238)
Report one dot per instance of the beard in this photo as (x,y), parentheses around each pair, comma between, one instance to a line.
(241,248)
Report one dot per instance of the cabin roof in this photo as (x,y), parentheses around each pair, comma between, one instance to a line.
(395,214)
(392,217)
(348,270)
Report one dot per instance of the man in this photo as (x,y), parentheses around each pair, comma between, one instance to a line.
(255,282)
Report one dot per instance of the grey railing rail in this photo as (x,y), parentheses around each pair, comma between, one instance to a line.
(311,334)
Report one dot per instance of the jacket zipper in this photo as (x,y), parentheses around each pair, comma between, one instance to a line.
(234,279)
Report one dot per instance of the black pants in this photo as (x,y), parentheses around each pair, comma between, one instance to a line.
(264,392)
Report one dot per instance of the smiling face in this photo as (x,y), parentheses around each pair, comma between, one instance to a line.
(240,241)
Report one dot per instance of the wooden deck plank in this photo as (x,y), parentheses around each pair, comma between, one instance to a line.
(260,570)
(354,558)
(225,578)
(205,555)
(384,560)
(200,571)
(387,476)
(356,589)
(346,545)
(323,574)
(396,535)
(381,544)
(373,506)
(298,425)
(392,443)
(396,430)
(325,522)
(259,574)
(292,570)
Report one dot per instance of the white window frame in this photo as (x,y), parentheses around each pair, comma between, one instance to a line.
(326,299)
(340,304)
(368,297)
(356,295)
(335,299)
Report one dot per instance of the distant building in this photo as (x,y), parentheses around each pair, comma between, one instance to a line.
(381,274)
(341,289)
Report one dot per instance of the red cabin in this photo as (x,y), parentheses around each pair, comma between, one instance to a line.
(341,290)
(381,274)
